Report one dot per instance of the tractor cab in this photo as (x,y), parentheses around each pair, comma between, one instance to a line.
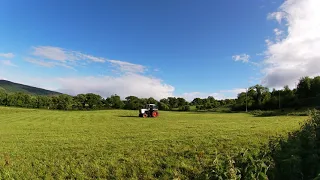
(151,106)
(150,110)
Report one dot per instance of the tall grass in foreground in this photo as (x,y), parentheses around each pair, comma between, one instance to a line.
(296,157)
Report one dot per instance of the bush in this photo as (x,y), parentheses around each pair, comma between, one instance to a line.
(298,157)
(295,157)
(184,108)
(265,113)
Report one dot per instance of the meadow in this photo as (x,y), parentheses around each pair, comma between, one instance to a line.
(116,144)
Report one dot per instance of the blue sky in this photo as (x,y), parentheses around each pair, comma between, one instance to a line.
(144,48)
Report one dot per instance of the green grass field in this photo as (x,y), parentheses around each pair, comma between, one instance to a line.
(116,144)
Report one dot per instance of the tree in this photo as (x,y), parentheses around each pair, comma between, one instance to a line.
(115,102)
(80,101)
(196,101)
(165,101)
(132,102)
(211,99)
(304,87)
(19,99)
(173,103)
(184,108)
(151,101)
(94,101)
(163,106)
(181,102)
(64,102)
(315,86)
(43,101)
(3,97)
(260,91)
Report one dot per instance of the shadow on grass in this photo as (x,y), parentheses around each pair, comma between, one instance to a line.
(212,111)
(129,116)
(259,113)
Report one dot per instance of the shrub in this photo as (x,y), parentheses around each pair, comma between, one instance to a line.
(184,108)
(187,108)
(298,157)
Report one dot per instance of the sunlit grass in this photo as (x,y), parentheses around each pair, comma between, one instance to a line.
(117,144)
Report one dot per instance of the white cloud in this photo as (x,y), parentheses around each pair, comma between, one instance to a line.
(297,54)
(63,55)
(127,67)
(268,42)
(52,53)
(47,63)
(39,62)
(277,32)
(7,55)
(8,63)
(279,16)
(56,56)
(126,85)
(222,94)
(89,57)
(191,95)
(241,57)
(131,80)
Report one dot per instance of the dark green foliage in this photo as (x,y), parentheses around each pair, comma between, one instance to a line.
(298,157)
(258,97)
(210,103)
(80,102)
(134,103)
(304,87)
(114,102)
(151,100)
(184,108)
(163,106)
(173,103)
(93,101)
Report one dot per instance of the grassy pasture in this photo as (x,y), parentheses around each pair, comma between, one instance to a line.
(116,144)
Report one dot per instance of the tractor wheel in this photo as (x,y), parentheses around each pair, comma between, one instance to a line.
(145,115)
(155,114)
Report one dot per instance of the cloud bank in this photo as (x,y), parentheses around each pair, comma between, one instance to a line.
(294,52)
(222,94)
(131,81)
(125,85)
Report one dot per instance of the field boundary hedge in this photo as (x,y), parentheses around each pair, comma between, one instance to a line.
(294,157)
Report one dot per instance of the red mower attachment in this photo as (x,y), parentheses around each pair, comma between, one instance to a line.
(155,114)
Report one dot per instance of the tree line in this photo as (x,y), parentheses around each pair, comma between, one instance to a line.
(307,93)
(92,101)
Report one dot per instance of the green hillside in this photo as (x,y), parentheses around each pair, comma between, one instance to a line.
(12,87)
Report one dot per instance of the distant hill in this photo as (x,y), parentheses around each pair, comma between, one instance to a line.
(12,87)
